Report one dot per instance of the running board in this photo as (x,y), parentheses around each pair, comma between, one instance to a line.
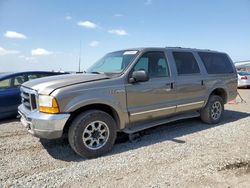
(141,126)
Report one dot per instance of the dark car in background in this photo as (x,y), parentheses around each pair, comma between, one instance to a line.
(10,89)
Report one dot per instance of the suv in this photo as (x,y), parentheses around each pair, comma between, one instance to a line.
(128,91)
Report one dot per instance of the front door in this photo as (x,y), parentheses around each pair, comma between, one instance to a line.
(10,95)
(155,98)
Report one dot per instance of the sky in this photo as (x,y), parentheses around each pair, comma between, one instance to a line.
(46,35)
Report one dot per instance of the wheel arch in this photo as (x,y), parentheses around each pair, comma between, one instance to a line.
(95,106)
(220,92)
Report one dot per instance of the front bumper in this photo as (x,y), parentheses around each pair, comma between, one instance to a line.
(42,125)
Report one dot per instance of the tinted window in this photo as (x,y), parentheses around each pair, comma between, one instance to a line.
(5,83)
(216,63)
(185,63)
(154,63)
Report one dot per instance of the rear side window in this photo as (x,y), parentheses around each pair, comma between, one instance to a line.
(216,63)
(185,63)
(4,84)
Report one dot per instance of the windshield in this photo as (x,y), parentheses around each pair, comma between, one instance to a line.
(114,62)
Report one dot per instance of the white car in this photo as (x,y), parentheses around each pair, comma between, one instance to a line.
(243,79)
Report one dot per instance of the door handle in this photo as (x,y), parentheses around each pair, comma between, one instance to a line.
(170,84)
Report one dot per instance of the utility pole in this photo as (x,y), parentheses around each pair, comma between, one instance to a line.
(80,53)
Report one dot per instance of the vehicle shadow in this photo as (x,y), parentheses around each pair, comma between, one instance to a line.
(60,149)
(8,120)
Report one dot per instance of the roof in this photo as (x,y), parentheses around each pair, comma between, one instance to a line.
(3,74)
(171,48)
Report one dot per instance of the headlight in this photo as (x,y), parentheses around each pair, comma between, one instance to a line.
(48,104)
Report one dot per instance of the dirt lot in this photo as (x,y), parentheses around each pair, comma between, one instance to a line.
(186,153)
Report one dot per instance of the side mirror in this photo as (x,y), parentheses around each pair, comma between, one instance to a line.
(139,76)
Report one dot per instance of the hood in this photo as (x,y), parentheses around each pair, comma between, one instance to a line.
(49,84)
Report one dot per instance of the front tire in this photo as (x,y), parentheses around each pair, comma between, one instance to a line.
(213,110)
(92,133)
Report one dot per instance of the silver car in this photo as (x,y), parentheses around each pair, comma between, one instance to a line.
(128,91)
(243,79)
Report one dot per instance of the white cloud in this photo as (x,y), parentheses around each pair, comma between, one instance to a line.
(40,52)
(87,24)
(94,43)
(14,35)
(68,17)
(120,32)
(148,2)
(4,51)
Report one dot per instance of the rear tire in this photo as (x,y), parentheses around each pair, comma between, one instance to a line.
(213,111)
(92,133)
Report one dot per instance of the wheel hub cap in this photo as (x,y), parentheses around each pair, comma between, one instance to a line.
(216,110)
(95,135)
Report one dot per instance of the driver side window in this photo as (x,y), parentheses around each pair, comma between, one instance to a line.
(154,63)
(142,64)
(18,80)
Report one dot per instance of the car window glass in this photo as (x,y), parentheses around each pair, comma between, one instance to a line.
(216,63)
(244,73)
(44,75)
(185,63)
(142,64)
(5,83)
(154,63)
(18,80)
(113,63)
(33,76)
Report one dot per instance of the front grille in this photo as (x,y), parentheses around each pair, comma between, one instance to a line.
(28,99)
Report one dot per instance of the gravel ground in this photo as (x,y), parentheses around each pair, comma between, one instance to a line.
(186,153)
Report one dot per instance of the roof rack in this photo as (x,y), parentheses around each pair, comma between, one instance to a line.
(186,48)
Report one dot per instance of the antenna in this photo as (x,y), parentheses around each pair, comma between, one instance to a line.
(80,53)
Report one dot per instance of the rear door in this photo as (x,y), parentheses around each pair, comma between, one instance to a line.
(189,83)
(155,98)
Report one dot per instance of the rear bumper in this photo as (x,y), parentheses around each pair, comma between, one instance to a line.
(42,125)
(242,83)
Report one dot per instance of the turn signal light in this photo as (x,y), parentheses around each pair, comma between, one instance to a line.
(54,109)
